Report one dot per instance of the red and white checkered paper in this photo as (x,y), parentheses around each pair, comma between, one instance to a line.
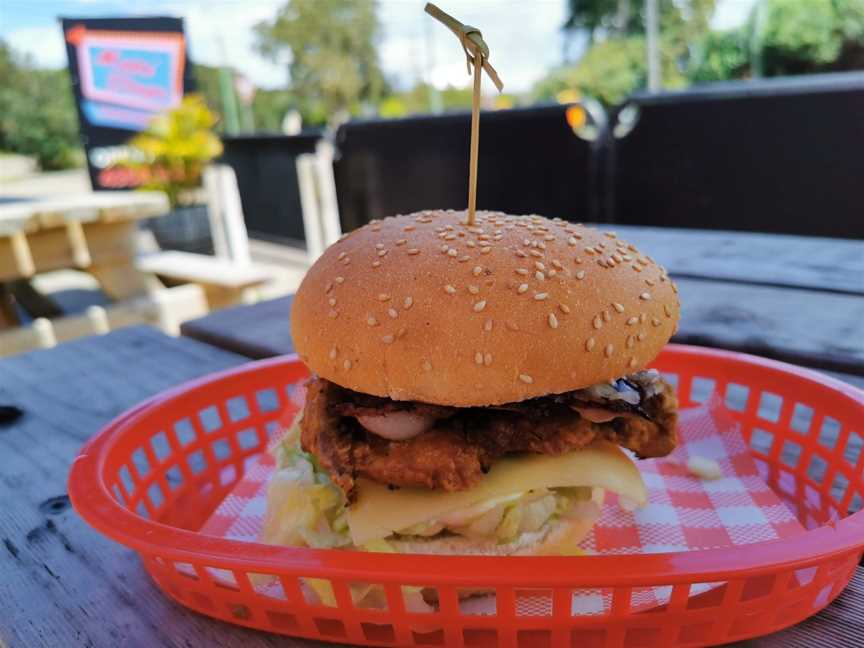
(684,512)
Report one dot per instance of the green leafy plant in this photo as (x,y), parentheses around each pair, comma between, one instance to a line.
(170,155)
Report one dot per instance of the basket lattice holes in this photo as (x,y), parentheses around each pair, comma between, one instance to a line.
(179,473)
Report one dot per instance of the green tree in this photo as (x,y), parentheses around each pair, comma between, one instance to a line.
(332,45)
(614,65)
(37,113)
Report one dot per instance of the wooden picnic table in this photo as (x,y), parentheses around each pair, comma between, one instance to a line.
(93,232)
(63,584)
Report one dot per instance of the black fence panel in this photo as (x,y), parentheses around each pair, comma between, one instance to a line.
(266,171)
(781,155)
(530,162)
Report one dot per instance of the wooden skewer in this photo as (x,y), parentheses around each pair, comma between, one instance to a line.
(477,55)
(475,140)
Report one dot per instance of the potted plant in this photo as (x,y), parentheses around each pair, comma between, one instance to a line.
(170,156)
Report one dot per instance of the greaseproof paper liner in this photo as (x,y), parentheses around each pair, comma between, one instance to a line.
(684,513)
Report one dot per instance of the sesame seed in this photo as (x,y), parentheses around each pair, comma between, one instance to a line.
(610,234)
(328,287)
(444,248)
(388,339)
(347,364)
(512,326)
(379,246)
(376,264)
(371,321)
(646,296)
(590,250)
(485,250)
(392,312)
(332,301)
(598,322)
(580,275)
(413,251)
(483,237)
(617,258)
(521,271)
(540,296)
(474,289)
(649,282)
(674,288)
(346,260)
(525,378)
(577,260)
(341,256)
(453,252)
(618,307)
(606,316)
(480,305)
(535,253)
(631,340)
(564,308)
(409,228)
(608,350)
(539,265)
(471,244)
(477,271)
(636,268)
(553,321)
(382,253)
(601,262)
(478,358)
(400,332)
(401,241)
(539,276)
(553,272)
(333,314)
(334,352)
(487,325)
(626,257)
(632,362)
(549,237)
(521,254)
(655,321)
(571,240)
(464,258)
(641,336)
(449,289)
(589,344)
(667,310)
(557,264)
(487,359)
(383,297)
(450,237)
(522,288)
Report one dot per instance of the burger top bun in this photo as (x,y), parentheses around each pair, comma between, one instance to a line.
(423,307)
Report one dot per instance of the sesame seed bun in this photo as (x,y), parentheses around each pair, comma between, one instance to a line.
(422,307)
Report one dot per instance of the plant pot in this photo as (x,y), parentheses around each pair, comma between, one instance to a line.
(184,228)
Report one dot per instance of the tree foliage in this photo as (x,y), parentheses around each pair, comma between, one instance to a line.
(37,113)
(332,47)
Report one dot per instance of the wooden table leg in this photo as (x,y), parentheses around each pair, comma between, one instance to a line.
(112,249)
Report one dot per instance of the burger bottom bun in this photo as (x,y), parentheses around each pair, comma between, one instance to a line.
(549,540)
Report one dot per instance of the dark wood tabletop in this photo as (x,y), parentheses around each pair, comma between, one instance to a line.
(63,584)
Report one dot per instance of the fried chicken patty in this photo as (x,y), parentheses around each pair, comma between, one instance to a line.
(464,442)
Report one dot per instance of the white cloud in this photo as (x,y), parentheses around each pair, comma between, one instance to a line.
(730,14)
(43,44)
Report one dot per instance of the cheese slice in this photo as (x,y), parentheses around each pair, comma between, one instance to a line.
(379,512)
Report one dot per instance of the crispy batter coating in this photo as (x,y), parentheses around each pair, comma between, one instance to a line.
(464,442)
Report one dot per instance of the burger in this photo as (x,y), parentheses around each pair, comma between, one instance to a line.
(473,386)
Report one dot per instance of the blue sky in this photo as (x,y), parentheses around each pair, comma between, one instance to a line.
(523,35)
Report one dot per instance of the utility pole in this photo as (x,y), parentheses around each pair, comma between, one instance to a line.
(652,46)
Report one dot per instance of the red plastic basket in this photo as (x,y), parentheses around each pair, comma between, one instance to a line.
(153,476)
